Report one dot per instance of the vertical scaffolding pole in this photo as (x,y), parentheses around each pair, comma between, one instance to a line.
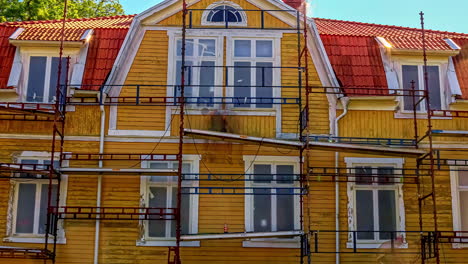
(58,129)
(177,259)
(431,151)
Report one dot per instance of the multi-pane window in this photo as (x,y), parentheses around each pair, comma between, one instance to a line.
(31,201)
(161,192)
(460,200)
(200,62)
(416,73)
(253,70)
(42,78)
(225,14)
(375,202)
(274,203)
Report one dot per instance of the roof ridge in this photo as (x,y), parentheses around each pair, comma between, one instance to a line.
(391,26)
(50,21)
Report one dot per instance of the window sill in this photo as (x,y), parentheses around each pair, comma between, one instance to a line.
(272,243)
(35,240)
(166,243)
(373,245)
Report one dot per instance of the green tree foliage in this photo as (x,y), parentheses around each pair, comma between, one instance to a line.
(24,10)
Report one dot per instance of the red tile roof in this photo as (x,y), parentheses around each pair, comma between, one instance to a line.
(108,36)
(50,30)
(7,54)
(356,59)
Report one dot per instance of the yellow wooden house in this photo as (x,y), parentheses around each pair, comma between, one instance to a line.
(231,132)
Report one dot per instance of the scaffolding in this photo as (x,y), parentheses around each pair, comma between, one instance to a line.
(310,240)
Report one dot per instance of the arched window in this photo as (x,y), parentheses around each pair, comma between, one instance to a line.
(222,13)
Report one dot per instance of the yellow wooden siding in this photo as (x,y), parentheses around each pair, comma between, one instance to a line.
(148,68)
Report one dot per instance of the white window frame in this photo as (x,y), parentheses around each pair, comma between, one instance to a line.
(14,184)
(397,163)
(249,162)
(455,190)
(442,82)
(253,59)
(145,239)
(205,22)
(172,64)
(26,59)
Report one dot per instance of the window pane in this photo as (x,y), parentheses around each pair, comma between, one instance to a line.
(262,210)
(386,175)
(433,82)
(224,13)
(262,170)
(37,68)
(464,210)
(242,48)
(242,82)
(463,178)
(364,214)
(285,211)
(189,44)
(285,174)
(54,76)
(188,78)
(363,175)
(25,208)
(207,76)
(264,48)
(207,47)
(410,73)
(387,213)
(264,81)
(161,166)
(158,199)
(44,204)
(185,214)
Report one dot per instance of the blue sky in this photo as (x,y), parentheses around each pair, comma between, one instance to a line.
(440,15)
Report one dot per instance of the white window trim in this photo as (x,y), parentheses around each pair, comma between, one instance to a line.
(11,217)
(442,80)
(144,239)
(456,215)
(401,220)
(248,200)
(205,22)
(26,55)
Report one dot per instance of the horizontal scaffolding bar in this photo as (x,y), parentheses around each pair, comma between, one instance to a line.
(242,191)
(119,156)
(212,135)
(26,170)
(25,253)
(449,113)
(29,108)
(460,237)
(449,133)
(241,235)
(365,141)
(365,91)
(26,117)
(233,177)
(364,149)
(113,213)
(398,176)
(393,243)
(151,172)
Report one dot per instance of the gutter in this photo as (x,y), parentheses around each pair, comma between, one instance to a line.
(344,102)
(99,185)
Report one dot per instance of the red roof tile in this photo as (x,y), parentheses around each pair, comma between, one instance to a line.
(461,66)
(7,54)
(399,37)
(50,30)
